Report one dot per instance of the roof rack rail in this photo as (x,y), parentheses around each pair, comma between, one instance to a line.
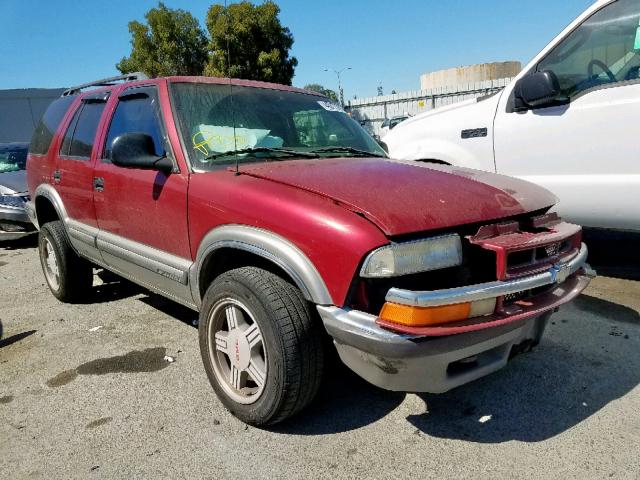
(129,77)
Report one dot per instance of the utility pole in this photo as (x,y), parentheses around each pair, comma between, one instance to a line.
(338,73)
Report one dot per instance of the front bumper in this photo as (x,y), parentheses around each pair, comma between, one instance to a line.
(14,223)
(437,359)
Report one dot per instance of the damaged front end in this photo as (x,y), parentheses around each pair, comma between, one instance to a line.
(493,302)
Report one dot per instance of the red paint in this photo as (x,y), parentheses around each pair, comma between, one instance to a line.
(514,240)
(334,238)
(75,174)
(403,198)
(239,82)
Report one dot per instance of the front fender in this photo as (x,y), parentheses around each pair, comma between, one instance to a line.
(453,153)
(268,245)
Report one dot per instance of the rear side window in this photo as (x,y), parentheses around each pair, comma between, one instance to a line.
(48,125)
(78,141)
(136,113)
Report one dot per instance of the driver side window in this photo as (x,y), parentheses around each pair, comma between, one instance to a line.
(604,49)
(137,112)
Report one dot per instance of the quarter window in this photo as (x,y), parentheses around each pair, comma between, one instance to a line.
(603,50)
(48,125)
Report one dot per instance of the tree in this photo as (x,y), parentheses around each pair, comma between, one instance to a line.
(252,39)
(315,87)
(171,43)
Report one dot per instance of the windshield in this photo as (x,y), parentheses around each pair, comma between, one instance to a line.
(269,125)
(13,159)
(396,121)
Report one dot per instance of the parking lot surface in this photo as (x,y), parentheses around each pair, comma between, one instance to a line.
(86,392)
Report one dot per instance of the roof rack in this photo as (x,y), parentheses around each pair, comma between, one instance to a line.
(129,77)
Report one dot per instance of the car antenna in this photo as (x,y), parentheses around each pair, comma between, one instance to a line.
(233,110)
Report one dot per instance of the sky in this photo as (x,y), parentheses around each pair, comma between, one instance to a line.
(59,43)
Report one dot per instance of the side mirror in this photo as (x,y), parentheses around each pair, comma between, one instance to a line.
(540,89)
(136,150)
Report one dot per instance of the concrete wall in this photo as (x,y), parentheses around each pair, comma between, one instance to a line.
(469,74)
(21,109)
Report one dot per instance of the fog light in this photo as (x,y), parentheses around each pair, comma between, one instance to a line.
(427,316)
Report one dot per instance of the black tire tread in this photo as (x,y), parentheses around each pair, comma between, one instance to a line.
(300,334)
(76,273)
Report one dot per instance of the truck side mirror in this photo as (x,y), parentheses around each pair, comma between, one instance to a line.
(537,90)
(136,150)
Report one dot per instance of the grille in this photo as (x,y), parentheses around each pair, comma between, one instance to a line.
(525,260)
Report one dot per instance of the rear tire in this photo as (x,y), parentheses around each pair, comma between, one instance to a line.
(261,345)
(68,275)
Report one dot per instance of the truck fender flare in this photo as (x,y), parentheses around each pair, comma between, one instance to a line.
(49,192)
(268,245)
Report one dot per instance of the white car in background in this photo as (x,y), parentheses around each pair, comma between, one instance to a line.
(390,123)
(570,121)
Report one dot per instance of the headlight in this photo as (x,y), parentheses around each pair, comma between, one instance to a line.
(15,201)
(413,257)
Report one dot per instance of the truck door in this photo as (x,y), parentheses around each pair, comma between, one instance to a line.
(73,175)
(142,214)
(585,151)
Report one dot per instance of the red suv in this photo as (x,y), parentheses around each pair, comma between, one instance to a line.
(271,212)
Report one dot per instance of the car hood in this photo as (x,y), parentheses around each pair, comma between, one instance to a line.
(13,182)
(405,197)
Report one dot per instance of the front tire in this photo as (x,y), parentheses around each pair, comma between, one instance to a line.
(69,276)
(261,346)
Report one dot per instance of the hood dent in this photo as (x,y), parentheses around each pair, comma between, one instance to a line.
(404,197)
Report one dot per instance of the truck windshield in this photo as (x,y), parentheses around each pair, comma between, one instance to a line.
(268,125)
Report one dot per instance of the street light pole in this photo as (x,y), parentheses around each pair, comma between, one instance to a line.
(338,73)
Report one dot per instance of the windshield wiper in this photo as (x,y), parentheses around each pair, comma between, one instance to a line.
(352,151)
(242,151)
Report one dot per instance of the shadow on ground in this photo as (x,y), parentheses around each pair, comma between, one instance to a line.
(537,396)
(603,308)
(576,371)
(111,288)
(30,241)
(542,394)
(345,402)
(5,342)
(177,311)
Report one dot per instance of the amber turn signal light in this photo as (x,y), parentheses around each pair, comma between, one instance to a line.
(428,316)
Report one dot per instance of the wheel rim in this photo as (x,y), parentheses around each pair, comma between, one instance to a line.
(237,351)
(50,264)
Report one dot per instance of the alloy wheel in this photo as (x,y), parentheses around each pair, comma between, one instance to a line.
(237,351)
(50,264)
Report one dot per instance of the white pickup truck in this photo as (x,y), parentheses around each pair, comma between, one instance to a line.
(570,121)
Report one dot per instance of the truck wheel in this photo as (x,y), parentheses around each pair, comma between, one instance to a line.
(69,276)
(261,347)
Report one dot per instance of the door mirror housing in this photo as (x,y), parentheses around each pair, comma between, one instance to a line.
(136,150)
(537,90)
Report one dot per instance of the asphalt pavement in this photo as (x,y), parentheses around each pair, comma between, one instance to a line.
(86,391)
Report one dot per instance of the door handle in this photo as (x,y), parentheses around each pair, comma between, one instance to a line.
(57,176)
(98,184)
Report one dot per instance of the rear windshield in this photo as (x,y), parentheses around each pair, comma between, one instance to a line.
(48,125)
(12,158)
